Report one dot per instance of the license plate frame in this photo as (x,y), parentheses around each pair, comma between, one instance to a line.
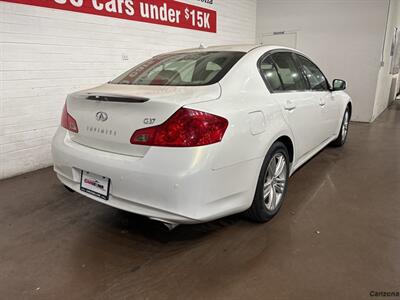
(95,184)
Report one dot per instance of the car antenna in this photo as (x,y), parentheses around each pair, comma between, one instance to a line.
(202,46)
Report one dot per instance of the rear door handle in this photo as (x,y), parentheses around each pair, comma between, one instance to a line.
(290,105)
(322,102)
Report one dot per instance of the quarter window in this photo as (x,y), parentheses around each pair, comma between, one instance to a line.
(290,75)
(314,76)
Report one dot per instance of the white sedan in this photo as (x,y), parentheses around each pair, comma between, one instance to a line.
(199,134)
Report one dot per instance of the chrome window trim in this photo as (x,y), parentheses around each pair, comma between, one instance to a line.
(271,52)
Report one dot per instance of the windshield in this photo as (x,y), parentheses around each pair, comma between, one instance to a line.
(181,69)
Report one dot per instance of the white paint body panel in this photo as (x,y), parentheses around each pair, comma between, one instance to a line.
(198,184)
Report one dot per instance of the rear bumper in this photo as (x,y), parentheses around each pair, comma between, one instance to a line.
(176,185)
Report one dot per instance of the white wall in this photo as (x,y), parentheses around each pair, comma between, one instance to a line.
(344,37)
(384,78)
(46,54)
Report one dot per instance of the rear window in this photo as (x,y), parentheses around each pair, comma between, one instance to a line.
(182,69)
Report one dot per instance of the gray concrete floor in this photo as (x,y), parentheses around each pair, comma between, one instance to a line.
(336,237)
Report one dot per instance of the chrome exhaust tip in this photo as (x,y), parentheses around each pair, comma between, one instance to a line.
(169,225)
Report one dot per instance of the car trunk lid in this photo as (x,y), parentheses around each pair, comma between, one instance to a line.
(108,115)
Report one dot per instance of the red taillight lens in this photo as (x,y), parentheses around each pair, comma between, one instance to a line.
(67,121)
(185,128)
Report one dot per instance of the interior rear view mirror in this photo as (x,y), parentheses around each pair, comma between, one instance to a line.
(338,85)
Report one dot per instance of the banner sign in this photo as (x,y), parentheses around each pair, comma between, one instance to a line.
(162,12)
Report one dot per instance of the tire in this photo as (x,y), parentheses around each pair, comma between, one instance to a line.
(266,206)
(344,130)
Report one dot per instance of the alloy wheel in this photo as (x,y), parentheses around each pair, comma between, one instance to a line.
(275,181)
(345,126)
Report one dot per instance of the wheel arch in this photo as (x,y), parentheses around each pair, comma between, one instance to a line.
(350,106)
(287,141)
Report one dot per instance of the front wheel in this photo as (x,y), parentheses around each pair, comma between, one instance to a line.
(344,129)
(272,184)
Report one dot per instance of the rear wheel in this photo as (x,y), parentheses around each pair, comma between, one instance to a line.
(272,184)
(344,129)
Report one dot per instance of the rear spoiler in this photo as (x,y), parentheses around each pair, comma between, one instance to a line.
(115,98)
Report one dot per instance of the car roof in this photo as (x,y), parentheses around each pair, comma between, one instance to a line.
(239,48)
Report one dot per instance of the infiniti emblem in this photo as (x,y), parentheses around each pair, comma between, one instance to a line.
(101,116)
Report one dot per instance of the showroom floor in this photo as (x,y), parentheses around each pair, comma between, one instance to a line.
(336,237)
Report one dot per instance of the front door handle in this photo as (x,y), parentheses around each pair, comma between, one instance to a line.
(322,102)
(290,105)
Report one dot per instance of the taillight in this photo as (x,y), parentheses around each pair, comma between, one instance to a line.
(185,128)
(67,121)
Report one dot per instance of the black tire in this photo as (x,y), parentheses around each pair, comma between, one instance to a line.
(260,210)
(342,137)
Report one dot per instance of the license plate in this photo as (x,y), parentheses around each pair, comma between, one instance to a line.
(96,185)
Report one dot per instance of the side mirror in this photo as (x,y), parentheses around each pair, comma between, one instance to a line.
(339,85)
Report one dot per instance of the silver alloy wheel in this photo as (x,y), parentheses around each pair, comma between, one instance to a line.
(275,181)
(345,126)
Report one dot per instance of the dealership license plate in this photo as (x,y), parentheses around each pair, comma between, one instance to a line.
(96,185)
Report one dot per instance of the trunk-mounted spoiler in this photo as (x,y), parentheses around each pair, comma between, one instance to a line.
(116,98)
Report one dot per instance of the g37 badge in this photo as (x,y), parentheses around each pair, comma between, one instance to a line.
(149,121)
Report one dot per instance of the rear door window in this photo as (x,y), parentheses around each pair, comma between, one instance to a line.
(270,74)
(291,77)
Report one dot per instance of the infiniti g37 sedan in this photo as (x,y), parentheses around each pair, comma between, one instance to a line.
(195,135)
